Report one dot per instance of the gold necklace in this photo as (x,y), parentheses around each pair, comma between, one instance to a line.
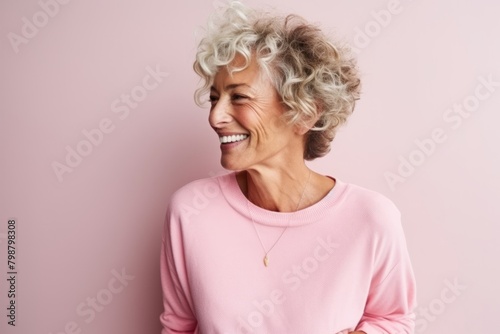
(266,253)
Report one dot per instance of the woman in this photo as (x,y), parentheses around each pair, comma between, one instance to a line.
(274,247)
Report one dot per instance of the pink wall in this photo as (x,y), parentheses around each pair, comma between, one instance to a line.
(92,234)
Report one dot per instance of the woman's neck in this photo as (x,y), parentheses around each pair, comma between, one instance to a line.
(284,190)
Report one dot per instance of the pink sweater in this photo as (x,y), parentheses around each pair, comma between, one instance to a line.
(342,265)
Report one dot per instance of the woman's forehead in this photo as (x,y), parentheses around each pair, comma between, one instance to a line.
(251,76)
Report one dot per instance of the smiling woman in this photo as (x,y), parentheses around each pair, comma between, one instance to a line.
(281,248)
(246,110)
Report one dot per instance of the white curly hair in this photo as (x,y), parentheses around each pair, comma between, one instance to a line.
(315,78)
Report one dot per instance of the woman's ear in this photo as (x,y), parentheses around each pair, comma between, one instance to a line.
(303,127)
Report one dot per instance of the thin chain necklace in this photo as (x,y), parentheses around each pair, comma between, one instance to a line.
(266,253)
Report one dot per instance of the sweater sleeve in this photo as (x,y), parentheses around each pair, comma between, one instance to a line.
(391,298)
(177,316)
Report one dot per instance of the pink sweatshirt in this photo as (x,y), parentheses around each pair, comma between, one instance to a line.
(342,264)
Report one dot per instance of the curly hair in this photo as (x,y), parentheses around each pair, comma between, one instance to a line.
(315,79)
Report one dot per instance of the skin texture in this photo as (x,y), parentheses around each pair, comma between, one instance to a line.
(272,171)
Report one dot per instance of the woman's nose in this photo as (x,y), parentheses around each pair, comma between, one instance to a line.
(220,114)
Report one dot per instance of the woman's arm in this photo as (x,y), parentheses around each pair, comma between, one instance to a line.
(391,298)
(177,316)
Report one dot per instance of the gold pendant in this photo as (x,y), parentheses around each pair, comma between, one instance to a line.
(266,260)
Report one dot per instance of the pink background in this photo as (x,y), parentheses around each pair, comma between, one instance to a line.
(107,213)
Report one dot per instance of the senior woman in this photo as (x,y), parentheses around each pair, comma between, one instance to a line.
(272,246)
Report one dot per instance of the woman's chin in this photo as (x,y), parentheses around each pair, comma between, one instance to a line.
(232,163)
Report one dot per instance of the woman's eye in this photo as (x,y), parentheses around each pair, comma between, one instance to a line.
(213,99)
(236,97)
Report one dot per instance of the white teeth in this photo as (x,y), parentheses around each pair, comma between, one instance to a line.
(232,138)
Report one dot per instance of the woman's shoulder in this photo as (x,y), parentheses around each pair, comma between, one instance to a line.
(369,196)
(372,205)
(201,190)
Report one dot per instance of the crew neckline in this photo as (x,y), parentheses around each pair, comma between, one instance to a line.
(235,197)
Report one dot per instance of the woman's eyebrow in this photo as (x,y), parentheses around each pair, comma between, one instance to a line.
(231,86)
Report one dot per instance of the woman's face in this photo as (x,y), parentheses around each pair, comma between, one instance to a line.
(245,113)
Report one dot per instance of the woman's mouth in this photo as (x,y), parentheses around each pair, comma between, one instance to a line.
(232,138)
